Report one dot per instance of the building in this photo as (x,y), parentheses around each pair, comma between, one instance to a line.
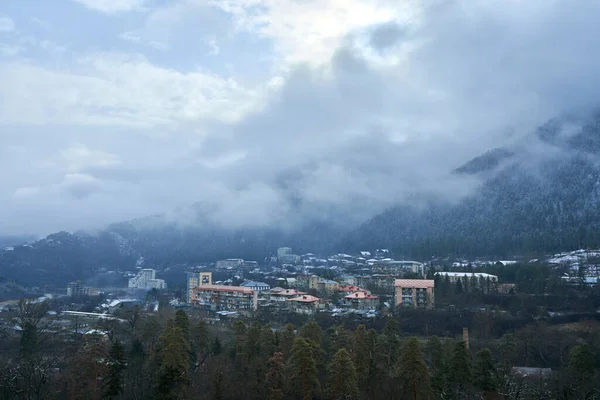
(230,263)
(284,251)
(453,277)
(360,301)
(196,279)
(398,268)
(146,280)
(305,304)
(327,285)
(77,289)
(256,286)
(307,281)
(282,295)
(416,293)
(225,298)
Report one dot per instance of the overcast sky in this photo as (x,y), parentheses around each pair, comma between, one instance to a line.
(116,109)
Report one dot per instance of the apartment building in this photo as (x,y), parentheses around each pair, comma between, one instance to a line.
(146,280)
(360,301)
(416,293)
(195,279)
(225,298)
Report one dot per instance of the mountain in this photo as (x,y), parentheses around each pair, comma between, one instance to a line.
(540,195)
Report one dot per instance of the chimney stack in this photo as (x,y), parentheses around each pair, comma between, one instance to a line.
(466,337)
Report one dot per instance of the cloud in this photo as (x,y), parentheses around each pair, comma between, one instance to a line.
(331,109)
(6,24)
(112,6)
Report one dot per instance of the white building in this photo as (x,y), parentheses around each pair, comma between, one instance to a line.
(146,280)
(256,286)
(455,276)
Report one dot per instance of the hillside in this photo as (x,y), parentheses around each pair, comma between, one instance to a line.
(543,196)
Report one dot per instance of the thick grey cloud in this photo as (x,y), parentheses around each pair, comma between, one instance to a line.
(366,130)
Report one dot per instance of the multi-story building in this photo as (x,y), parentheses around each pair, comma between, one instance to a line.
(225,298)
(77,289)
(256,286)
(327,285)
(307,281)
(196,279)
(416,293)
(230,263)
(146,280)
(477,277)
(284,251)
(398,268)
(305,304)
(360,301)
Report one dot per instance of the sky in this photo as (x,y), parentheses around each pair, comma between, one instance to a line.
(259,112)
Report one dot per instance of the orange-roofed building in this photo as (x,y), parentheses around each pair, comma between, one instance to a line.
(305,304)
(416,293)
(349,289)
(361,300)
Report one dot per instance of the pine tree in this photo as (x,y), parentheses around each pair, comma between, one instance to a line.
(267,342)
(301,370)
(361,355)
(114,378)
(435,354)
(412,371)
(275,376)
(173,363)
(183,322)
(484,373)
(460,374)
(287,340)
(311,330)
(582,369)
(216,347)
(341,377)
(29,340)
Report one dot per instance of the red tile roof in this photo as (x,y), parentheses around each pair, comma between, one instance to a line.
(361,295)
(305,299)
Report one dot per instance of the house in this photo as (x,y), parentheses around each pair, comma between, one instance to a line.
(416,293)
(280,294)
(360,301)
(349,280)
(350,289)
(305,304)
(256,286)
(225,298)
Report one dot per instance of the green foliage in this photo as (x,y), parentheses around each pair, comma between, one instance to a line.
(275,377)
(173,360)
(460,371)
(287,340)
(301,370)
(411,370)
(182,321)
(341,377)
(484,372)
(114,378)
(311,330)
(582,368)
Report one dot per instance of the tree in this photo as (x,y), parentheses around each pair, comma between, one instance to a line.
(362,351)
(216,347)
(582,369)
(267,342)
(435,354)
(311,330)
(173,361)
(412,371)
(114,378)
(287,340)
(275,376)
(341,377)
(182,321)
(484,373)
(460,374)
(301,370)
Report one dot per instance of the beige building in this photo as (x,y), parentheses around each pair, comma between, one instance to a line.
(225,298)
(305,304)
(197,279)
(416,293)
(307,281)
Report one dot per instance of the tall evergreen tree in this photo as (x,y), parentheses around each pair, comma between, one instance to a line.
(182,321)
(275,377)
(114,378)
(287,340)
(362,351)
(267,342)
(411,370)
(301,370)
(484,373)
(341,377)
(311,330)
(435,354)
(582,370)
(173,363)
(460,371)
